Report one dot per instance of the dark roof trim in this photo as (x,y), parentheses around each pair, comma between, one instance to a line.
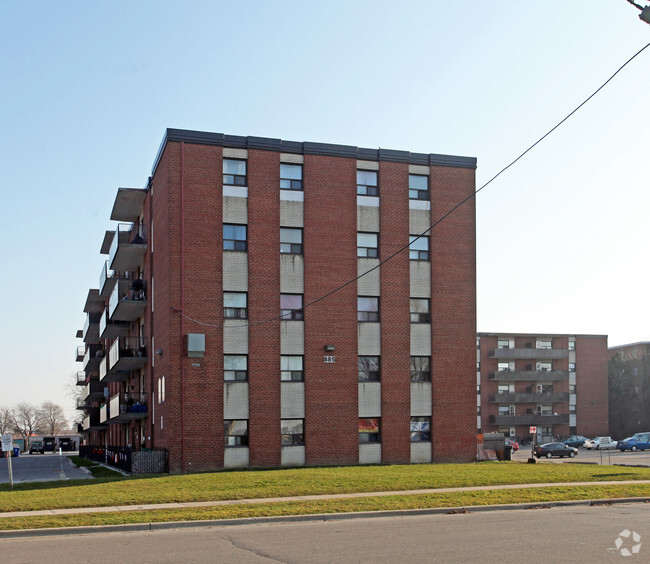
(306,148)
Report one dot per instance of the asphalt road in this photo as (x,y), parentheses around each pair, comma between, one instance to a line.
(566,534)
(40,468)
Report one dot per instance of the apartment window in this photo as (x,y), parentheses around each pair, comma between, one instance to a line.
(235,305)
(572,388)
(545,409)
(506,410)
(369,430)
(234,238)
(544,366)
(506,388)
(234,172)
(367,245)
(572,409)
(503,366)
(367,309)
(291,369)
(290,241)
(418,187)
(235,432)
(418,247)
(235,367)
(544,388)
(547,431)
(368,369)
(420,369)
(291,307)
(293,432)
(572,345)
(291,177)
(420,310)
(546,344)
(503,344)
(420,429)
(367,184)
(572,366)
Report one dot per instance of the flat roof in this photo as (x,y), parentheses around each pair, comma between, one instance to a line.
(308,148)
(515,334)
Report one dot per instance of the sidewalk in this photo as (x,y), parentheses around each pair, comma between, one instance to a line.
(150,507)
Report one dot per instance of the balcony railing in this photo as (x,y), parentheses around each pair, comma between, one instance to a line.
(91,327)
(127,301)
(125,354)
(92,358)
(81,403)
(80,352)
(535,419)
(540,354)
(529,397)
(93,391)
(109,329)
(529,375)
(82,378)
(128,407)
(108,278)
(92,421)
(128,247)
(104,412)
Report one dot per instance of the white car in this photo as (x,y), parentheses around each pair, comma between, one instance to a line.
(600,442)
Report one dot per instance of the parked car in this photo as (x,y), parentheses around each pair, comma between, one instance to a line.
(575,441)
(513,444)
(555,449)
(36,446)
(638,441)
(600,443)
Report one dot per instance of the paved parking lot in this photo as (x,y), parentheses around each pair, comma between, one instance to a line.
(41,468)
(605,457)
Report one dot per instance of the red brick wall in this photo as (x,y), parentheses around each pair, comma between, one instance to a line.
(330,241)
(453,307)
(395,316)
(592,409)
(264,304)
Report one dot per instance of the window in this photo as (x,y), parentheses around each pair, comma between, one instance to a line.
(290,241)
(235,367)
(572,409)
(234,238)
(506,410)
(572,345)
(420,429)
(572,366)
(503,343)
(546,344)
(369,430)
(291,369)
(235,305)
(368,369)
(508,388)
(234,172)
(291,307)
(544,366)
(547,431)
(418,248)
(367,183)
(572,388)
(367,245)
(367,309)
(293,432)
(544,388)
(503,366)
(420,310)
(545,409)
(235,432)
(420,369)
(291,177)
(418,187)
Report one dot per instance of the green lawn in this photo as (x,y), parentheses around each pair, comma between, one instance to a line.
(254,484)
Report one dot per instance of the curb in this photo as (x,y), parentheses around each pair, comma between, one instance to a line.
(140,527)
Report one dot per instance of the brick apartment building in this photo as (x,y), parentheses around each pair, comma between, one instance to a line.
(557,383)
(232,326)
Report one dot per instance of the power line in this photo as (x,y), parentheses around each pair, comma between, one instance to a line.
(443,217)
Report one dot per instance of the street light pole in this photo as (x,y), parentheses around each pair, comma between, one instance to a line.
(645,12)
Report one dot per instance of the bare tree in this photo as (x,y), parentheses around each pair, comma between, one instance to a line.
(25,419)
(6,420)
(51,420)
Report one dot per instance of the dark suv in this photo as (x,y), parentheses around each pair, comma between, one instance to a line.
(36,446)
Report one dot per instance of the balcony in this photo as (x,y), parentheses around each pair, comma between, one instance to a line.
(108,278)
(127,407)
(82,378)
(128,301)
(112,329)
(90,332)
(81,403)
(80,353)
(532,354)
(92,358)
(128,204)
(534,419)
(93,391)
(92,421)
(529,375)
(529,397)
(128,247)
(126,354)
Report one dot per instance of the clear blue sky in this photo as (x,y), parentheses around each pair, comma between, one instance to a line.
(88,89)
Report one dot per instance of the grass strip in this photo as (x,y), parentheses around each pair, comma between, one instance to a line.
(252,484)
(285,508)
